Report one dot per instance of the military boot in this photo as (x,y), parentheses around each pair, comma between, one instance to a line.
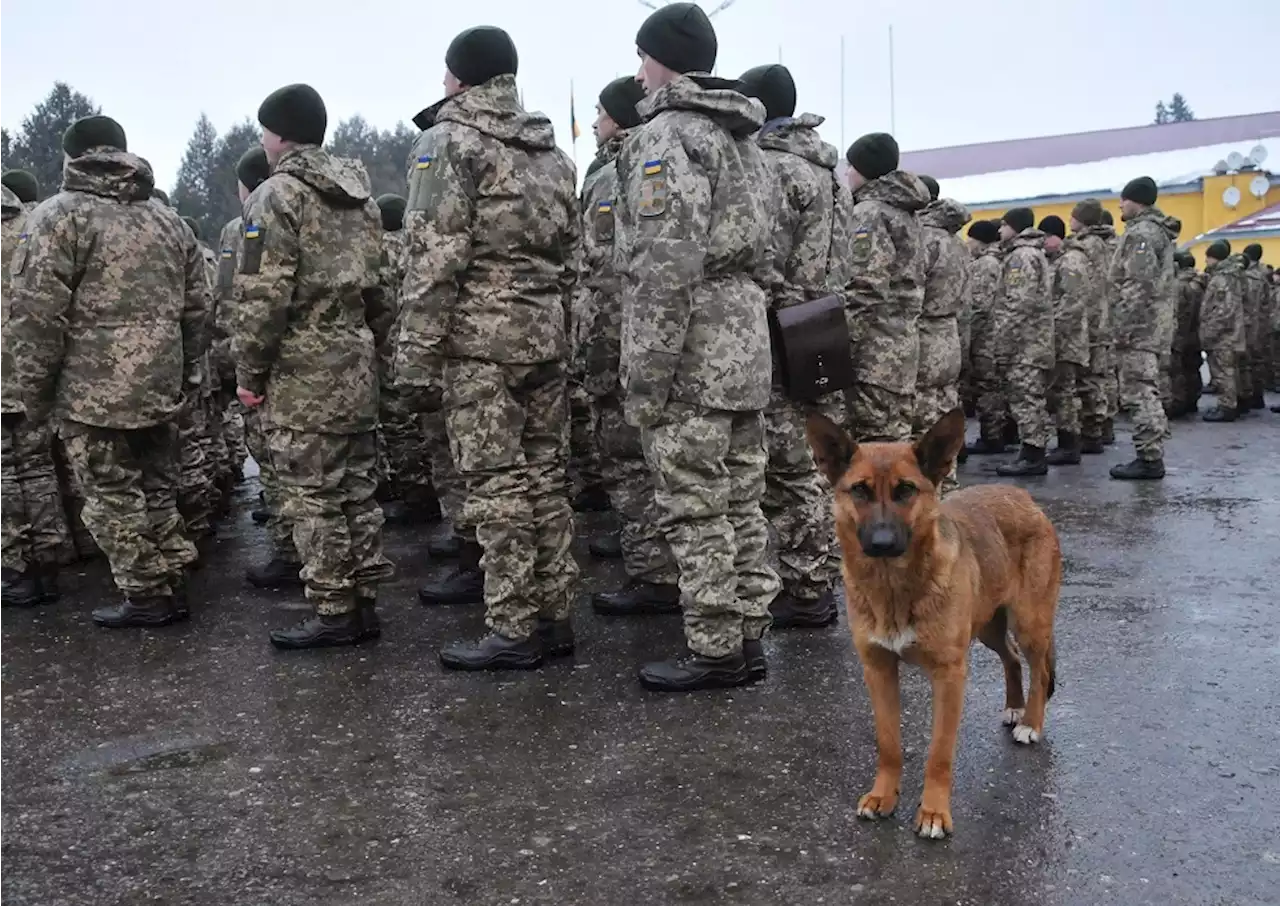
(790,612)
(1109,432)
(557,637)
(757,664)
(1030,461)
(415,509)
(1091,443)
(1257,401)
(591,500)
(260,515)
(141,611)
(1068,451)
(322,631)
(495,652)
(692,672)
(370,625)
(1139,470)
(21,588)
(637,598)
(464,584)
(985,445)
(276,575)
(1010,433)
(1219,414)
(606,547)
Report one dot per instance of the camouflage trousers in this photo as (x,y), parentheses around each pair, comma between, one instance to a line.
(797,501)
(1027,389)
(1244,376)
(233,435)
(1164,382)
(709,478)
(450,487)
(82,543)
(990,398)
(327,488)
(1095,391)
(873,413)
(279,527)
(1224,375)
(1275,356)
(585,470)
(408,460)
(1064,397)
(645,554)
(194,469)
(214,442)
(130,480)
(509,435)
(1138,375)
(33,519)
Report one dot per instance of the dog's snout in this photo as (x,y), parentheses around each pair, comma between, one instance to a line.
(884,539)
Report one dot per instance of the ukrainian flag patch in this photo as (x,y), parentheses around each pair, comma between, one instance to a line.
(652,167)
(424,162)
(862,233)
(23,237)
(251,231)
(228,254)
(604,207)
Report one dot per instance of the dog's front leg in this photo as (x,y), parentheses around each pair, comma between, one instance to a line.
(880,669)
(933,820)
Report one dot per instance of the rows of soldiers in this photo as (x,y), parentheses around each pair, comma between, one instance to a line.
(475,346)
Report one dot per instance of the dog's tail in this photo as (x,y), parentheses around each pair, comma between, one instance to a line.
(1053,670)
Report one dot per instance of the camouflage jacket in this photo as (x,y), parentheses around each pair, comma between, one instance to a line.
(886,287)
(1098,243)
(309,313)
(109,300)
(230,241)
(492,236)
(1186,337)
(1142,271)
(14,216)
(597,306)
(391,279)
(692,232)
(1222,308)
(1022,318)
(946,267)
(980,291)
(1072,285)
(1255,298)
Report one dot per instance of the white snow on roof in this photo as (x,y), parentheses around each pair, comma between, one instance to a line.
(1167,168)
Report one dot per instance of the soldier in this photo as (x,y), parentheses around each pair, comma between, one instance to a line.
(493,236)
(1221,327)
(1111,380)
(811,208)
(886,290)
(695,341)
(1275,330)
(125,278)
(1022,321)
(1255,305)
(981,288)
(1184,370)
(651,573)
(1142,319)
(310,316)
(1072,283)
(1095,237)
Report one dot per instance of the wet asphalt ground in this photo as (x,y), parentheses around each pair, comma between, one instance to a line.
(195,765)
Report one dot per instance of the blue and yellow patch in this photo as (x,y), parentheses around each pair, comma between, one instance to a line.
(424,162)
(604,207)
(23,237)
(652,167)
(228,253)
(862,233)
(251,231)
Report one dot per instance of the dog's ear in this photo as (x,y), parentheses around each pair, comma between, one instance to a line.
(937,450)
(832,447)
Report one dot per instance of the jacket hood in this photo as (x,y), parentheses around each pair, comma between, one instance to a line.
(898,189)
(341,181)
(799,136)
(1074,243)
(1105,230)
(10,204)
(493,108)
(945,214)
(109,173)
(1031,238)
(1171,225)
(719,99)
(1233,266)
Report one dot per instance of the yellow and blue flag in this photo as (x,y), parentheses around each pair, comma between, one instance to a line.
(573,117)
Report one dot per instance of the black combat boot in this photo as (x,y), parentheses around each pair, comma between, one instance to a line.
(370,625)
(143,611)
(790,612)
(446,548)
(591,500)
(276,575)
(606,547)
(1010,433)
(260,515)
(1109,431)
(414,509)
(985,445)
(1257,401)
(556,636)
(1219,414)
(637,598)
(464,584)
(495,652)
(757,664)
(1030,461)
(21,587)
(49,592)
(322,631)
(1091,443)
(693,671)
(1068,451)
(1139,470)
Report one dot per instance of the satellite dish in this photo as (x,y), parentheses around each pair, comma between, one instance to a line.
(1235,160)
(1231,197)
(1259,185)
(1220,167)
(1259,153)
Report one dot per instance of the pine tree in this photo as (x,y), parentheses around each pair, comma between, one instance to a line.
(38,145)
(231,147)
(1162,113)
(1179,111)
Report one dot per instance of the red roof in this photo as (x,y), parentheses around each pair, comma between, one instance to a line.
(1083,147)
(1267,220)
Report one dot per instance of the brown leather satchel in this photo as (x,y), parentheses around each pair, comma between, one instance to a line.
(814,353)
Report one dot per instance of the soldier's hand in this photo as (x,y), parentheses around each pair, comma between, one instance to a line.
(249,398)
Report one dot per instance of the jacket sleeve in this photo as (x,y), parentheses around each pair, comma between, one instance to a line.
(1136,270)
(871,257)
(268,280)
(438,223)
(574,289)
(809,245)
(196,308)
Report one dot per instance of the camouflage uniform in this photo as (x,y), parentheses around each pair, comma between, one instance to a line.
(981,289)
(1222,327)
(493,234)
(1097,379)
(597,335)
(1022,321)
(1072,283)
(810,205)
(1184,373)
(1274,320)
(946,270)
(1142,319)
(114,357)
(1254,377)
(884,299)
(309,318)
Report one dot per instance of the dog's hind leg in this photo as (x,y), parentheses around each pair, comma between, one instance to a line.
(995,635)
(1033,612)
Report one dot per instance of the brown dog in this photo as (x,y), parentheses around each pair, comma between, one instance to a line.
(923,578)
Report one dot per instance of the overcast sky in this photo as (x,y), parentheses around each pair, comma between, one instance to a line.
(963,72)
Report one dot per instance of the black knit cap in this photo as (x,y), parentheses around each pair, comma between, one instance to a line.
(1054,226)
(680,37)
(1142,190)
(253,168)
(874,155)
(480,54)
(1019,219)
(619,99)
(1253,251)
(295,113)
(1107,218)
(93,132)
(1186,260)
(392,208)
(161,196)
(932,185)
(1088,212)
(193,225)
(22,184)
(987,231)
(1220,250)
(773,86)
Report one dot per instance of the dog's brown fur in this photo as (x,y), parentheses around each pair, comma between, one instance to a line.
(981,564)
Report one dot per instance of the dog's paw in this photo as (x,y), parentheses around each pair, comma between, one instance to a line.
(875,806)
(933,824)
(1025,735)
(1011,716)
